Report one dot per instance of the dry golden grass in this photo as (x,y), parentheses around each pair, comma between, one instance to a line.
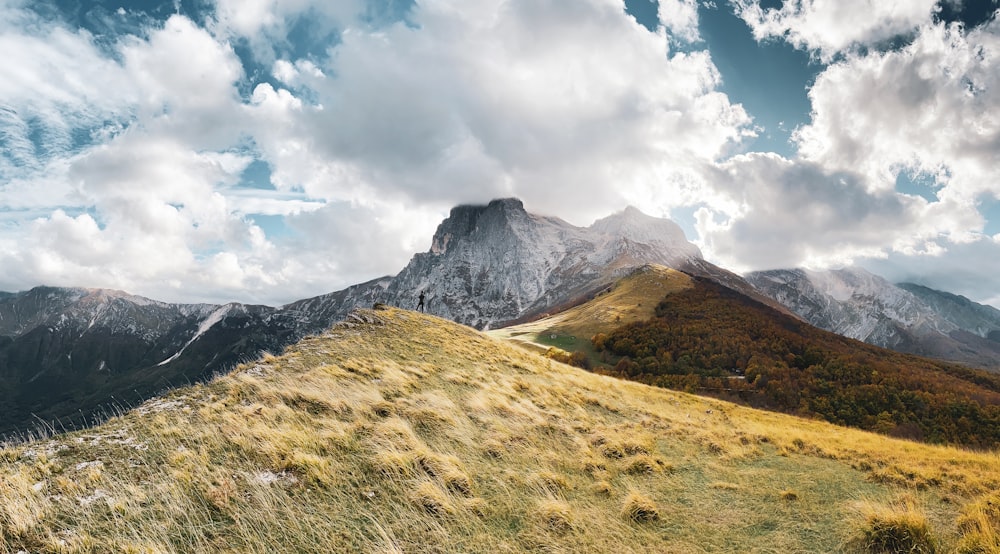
(628,300)
(412,434)
(893,528)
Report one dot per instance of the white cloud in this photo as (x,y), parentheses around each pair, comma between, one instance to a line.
(187,84)
(53,81)
(830,27)
(266,24)
(572,107)
(795,213)
(929,108)
(149,189)
(680,18)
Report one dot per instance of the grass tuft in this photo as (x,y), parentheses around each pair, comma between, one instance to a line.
(432,499)
(894,528)
(602,488)
(980,526)
(639,508)
(551,482)
(555,516)
(645,464)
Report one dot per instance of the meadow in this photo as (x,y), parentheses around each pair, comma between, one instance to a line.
(401,432)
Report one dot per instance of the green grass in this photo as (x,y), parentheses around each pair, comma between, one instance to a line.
(412,434)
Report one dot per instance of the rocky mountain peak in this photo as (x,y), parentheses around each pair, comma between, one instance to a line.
(467,220)
(634,226)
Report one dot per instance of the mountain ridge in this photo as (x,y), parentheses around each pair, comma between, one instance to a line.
(65,353)
(907,318)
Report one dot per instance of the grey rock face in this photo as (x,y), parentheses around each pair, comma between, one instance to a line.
(860,305)
(492,264)
(958,310)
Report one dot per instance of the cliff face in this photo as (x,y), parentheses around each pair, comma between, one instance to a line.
(495,263)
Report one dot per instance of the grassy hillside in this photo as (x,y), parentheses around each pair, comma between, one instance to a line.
(693,334)
(629,300)
(399,432)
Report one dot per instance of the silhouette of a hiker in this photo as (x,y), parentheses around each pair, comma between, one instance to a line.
(420,305)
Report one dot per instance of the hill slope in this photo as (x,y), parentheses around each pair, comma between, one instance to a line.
(631,299)
(399,432)
(694,334)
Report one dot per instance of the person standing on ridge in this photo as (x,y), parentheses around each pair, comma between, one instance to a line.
(420,304)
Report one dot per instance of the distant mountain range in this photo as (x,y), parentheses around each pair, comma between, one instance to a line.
(905,317)
(68,354)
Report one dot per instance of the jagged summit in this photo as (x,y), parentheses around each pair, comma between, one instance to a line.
(467,221)
(494,263)
(633,226)
(632,220)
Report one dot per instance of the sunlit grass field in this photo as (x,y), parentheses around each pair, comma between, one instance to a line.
(628,300)
(400,432)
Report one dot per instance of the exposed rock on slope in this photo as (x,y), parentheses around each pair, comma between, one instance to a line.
(908,318)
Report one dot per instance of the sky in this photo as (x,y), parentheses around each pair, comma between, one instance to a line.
(265,151)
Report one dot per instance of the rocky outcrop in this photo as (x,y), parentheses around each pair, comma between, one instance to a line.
(495,263)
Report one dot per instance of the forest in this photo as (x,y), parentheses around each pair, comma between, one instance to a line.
(712,340)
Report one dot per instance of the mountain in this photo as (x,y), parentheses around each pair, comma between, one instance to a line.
(908,318)
(65,354)
(402,432)
(489,265)
(68,353)
(982,321)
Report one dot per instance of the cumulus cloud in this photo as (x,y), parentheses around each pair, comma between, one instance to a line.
(928,108)
(924,111)
(266,25)
(828,28)
(369,139)
(485,99)
(148,184)
(680,18)
(796,213)
(372,132)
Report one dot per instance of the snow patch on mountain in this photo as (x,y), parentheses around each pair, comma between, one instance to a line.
(204,326)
